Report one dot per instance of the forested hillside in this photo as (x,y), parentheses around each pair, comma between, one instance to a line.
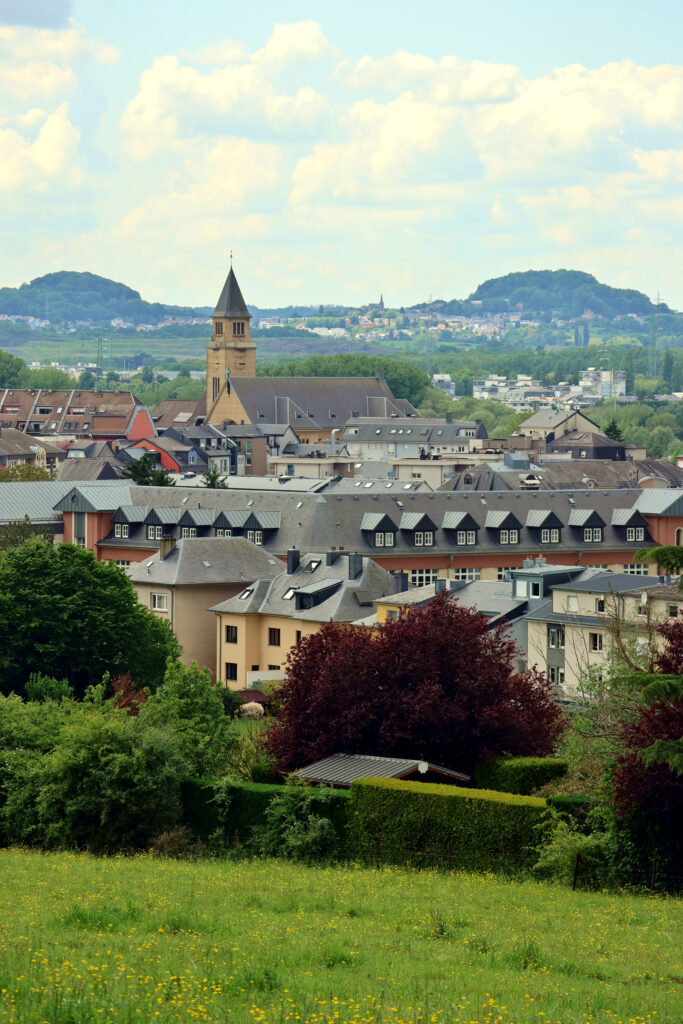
(67,296)
(568,293)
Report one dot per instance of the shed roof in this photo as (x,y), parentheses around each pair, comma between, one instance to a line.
(343,769)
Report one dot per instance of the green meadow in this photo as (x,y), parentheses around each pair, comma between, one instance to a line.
(85,939)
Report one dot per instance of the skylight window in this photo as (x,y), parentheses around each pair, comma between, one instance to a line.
(368,484)
(246,593)
(312,565)
(289,594)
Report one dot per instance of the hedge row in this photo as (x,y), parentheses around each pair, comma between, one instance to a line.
(416,823)
(521,775)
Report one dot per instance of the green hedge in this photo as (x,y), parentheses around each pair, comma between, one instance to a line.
(521,775)
(418,820)
(241,807)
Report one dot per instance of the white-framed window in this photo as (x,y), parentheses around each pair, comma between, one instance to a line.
(188,531)
(466,537)
(556,675)
(550,536)
(120,529)
(255,536)
(595,641)
(556,637)
(509,536)
(123,563)
(467,574)
(159,602)
(635,533)
(223,533)
(572,603)
(636,568)
(424,538)
(592,535)
(150,532)
(420,577)
(154,532)
(599,604)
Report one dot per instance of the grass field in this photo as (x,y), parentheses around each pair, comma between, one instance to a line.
(142,939)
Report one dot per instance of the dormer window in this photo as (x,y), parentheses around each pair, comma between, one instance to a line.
(384,540)
(424,538)
(509,537)
(592,535)
(635,533)
(466,537)
(550,536)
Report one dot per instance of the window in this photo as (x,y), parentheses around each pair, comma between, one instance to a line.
(466,537)
(534,589)
(273,637)
(572,603)
(188,531)
(120,529)
(424,539)
(231,634)
(550,536)
(502,569)
(219,326)
(230,670)
(273,668)
(298,636)
(595,641)
(469,575)
(154,532)
(384,540)
(556,637)
(599,604)
(255,536)
(289,594)
(122,563)
(223,533)
(636,568)
(556,675)
(419,577)
(312,565)
(673,611)
(592,536)
(159,602)
(509,536)
(635,533)
(238,329)
(392,613)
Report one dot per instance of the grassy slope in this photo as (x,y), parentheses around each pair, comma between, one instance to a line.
(140,939)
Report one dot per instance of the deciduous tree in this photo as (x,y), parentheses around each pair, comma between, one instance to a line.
(436,683)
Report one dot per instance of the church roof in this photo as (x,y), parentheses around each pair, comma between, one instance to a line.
(231,302)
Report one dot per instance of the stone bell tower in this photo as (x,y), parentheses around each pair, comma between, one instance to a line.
(231,352)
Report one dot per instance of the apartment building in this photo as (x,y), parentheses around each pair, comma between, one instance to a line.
(256,629)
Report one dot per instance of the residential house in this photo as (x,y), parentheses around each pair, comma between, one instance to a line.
(366,438)
(181,582)
(257,628)
(551,424)
(17,449)
(103,415)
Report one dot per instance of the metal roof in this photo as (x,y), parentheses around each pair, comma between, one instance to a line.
(537,516)
(371,520)
(496,519)
(659,502)
(411,520)
(230,301)
(93,497)
(452,520)
(133,513)
(623,516)
(202,516)
(343,769)
(608,582)
(320,585)
(269,520)
(579,516)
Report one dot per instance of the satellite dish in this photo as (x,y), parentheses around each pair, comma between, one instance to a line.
(422,767)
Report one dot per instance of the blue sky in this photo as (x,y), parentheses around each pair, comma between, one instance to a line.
(340,149)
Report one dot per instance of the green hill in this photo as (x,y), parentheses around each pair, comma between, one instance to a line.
(67,296)
(565,292)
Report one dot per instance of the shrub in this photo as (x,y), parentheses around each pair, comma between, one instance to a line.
(417,822)
(41,688)
(252,709)
(569,854)
(241,808)
(521,775)
(300,823)
(109,785)
(573,807)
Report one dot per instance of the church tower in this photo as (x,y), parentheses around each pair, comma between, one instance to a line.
(231,352)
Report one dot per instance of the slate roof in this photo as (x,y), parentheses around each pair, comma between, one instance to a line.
(316,522)
(566,474)
(342,604)
(88,469)
(415,430)
(310,402)
(548,419)
(230,301)
(605,583)
(343,769)
(207,561)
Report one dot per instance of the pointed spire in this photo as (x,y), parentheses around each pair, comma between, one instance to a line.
(231,302)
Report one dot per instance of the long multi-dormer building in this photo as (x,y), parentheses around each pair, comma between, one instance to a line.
(429,535)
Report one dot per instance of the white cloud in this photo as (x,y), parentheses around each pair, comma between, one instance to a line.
(175,101)
(447,80)
(59,45)
(660,164)
(51,157)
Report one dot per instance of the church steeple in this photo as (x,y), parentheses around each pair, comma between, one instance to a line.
(231,352)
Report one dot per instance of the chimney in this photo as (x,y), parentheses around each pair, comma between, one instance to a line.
(355,566)
(439,586)
(331,557)
(166,546)
(293,559)
(400,582)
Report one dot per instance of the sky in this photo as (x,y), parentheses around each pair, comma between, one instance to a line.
(341,150)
